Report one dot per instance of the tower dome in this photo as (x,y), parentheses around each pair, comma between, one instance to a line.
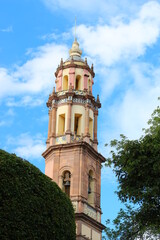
(75,50)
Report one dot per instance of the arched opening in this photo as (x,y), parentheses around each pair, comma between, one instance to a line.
(65,82)
(90,188)
(77,124)
(67,182)
(78,83)
(61,124)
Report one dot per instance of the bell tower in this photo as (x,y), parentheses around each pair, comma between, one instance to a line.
(71,157)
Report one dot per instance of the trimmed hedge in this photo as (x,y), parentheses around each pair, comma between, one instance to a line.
(31,205)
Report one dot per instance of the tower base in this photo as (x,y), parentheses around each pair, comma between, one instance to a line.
(88,228)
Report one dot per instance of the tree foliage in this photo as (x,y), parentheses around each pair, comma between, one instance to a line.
(31,205)
(136,164)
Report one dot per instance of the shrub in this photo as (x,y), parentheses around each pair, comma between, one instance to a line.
(31,205)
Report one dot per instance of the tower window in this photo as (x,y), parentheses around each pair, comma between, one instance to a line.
(78,82)
(77,124)
(66,182)
(61,124)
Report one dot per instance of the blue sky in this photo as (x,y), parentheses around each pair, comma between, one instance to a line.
(121,38)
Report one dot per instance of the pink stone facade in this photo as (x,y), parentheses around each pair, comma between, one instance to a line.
(76,154)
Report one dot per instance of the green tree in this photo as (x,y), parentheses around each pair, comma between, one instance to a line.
(32,206)
(136,164)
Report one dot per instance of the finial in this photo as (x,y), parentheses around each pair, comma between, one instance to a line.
(75,50)
(53,89)
(92,67)
(85,60)
(61,62)
(98,98)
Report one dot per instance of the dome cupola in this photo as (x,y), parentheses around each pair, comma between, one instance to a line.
(75,50)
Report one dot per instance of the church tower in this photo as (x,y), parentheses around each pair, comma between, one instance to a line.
(71,157)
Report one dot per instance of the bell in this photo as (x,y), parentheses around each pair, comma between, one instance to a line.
(66,177)
(67,183)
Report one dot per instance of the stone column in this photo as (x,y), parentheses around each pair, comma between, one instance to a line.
(87,120)
(72,77)
(49,127)
(95,142)
(69,118)
(68,132)
(87,135)
(95,125)
(53,126)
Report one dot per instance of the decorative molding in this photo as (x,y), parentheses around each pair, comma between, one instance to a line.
(70,98)
(74,100)
(86,218)
(75,206)
(90,212)
(79,100)
(61,139)
(75,145)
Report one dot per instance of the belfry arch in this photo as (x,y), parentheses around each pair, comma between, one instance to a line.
(78,84)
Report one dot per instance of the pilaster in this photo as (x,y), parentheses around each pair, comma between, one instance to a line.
(87,135)
(95,142)
(53,126)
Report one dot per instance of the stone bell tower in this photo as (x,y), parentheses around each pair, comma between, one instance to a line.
(71,157)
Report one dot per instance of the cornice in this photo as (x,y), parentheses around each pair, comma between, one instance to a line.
(71,96)
(81,144)
(74,65)
(80,216)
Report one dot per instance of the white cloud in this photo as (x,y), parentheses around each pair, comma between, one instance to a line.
(130,111)
(2,123)
(6,117)
(122,41)
(25,101)
(8,29)
(115,48)
(10,112)
(132,85)
(34,76)
(102,8)
(27,146)
(58,37)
